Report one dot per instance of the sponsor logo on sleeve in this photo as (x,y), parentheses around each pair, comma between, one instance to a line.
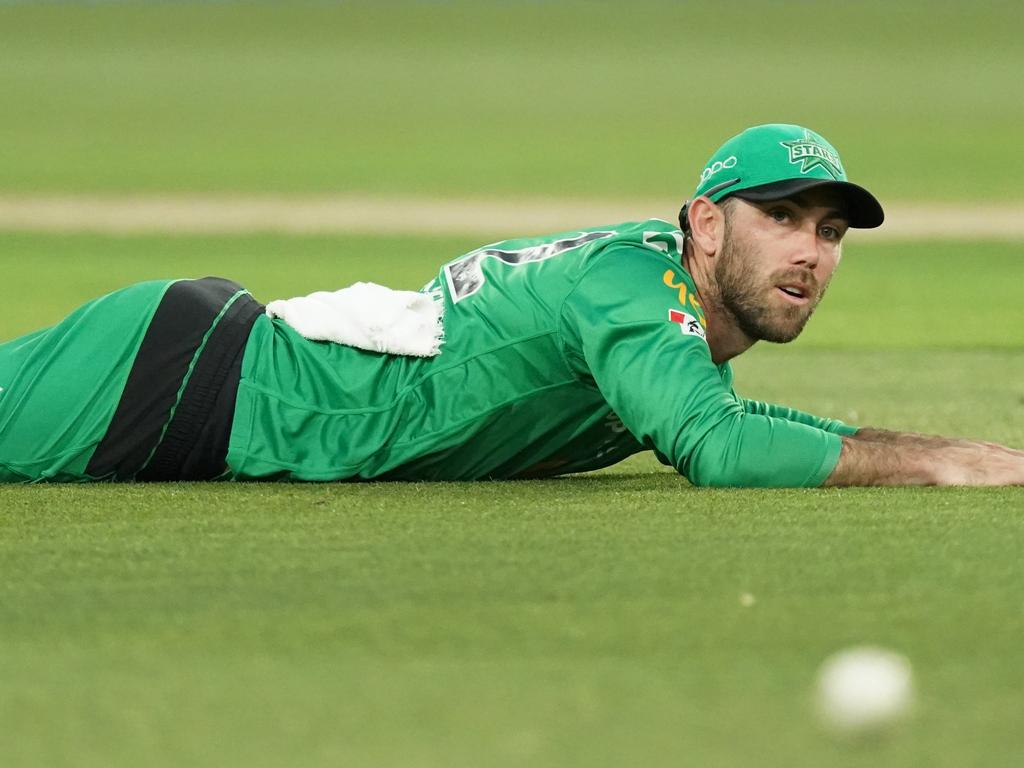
(686,298)
(688,324)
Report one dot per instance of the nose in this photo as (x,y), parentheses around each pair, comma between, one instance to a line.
(806,251)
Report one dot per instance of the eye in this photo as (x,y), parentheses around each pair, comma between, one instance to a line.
(828,232)
(781,215)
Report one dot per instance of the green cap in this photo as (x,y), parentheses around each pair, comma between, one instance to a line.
(770,162)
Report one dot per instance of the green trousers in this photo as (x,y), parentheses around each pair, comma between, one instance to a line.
(137,385)
(62,385)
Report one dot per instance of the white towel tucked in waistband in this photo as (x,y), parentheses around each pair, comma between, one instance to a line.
(368,316)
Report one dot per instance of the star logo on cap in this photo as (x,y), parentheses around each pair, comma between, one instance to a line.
(811,154)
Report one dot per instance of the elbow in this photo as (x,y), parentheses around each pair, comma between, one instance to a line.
(760,452)
(703,462)
(727,457)
(707,467)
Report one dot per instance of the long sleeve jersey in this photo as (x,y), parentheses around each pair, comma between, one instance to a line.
(561,354)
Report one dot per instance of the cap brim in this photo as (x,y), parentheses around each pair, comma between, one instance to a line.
(863,211)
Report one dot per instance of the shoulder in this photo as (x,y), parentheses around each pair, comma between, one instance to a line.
(644,252)
(655,235)
(644,263)
(652,240)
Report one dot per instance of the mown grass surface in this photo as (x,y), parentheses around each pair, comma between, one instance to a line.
(593,621)
(923,98)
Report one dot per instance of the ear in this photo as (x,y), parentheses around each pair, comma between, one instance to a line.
(707,225)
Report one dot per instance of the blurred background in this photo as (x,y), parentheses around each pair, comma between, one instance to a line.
(525,98)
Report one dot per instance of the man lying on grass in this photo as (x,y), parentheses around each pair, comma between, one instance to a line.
(526,358)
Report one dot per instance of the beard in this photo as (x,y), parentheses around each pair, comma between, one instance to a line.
(750,296)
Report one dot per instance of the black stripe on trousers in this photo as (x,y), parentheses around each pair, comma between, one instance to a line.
(194,443)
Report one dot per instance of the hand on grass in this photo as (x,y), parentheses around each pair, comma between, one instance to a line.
(880,457)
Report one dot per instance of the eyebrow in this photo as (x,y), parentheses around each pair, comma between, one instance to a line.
(800,200)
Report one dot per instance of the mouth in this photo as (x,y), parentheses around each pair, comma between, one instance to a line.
(797,294)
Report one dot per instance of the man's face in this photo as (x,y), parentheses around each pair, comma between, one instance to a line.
(776,261)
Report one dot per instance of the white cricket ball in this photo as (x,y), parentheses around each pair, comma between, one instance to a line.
(864,690)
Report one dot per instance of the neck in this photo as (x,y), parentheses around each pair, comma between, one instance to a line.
(724,336)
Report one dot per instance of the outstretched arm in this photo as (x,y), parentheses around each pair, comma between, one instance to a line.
(645,351)
(880,457)
(657,374)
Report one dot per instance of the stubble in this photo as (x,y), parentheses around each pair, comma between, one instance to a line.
(748,296)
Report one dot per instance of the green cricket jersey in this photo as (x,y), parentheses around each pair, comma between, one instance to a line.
(562,354)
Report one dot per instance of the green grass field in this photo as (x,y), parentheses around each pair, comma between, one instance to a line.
(614,619)
(590,621)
